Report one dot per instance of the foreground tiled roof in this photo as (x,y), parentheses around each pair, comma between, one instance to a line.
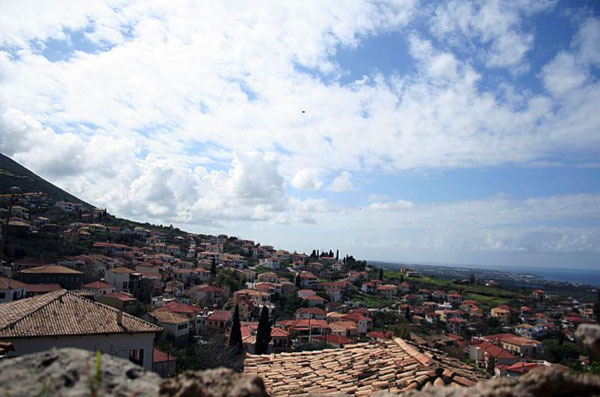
(360,369)
(63,313)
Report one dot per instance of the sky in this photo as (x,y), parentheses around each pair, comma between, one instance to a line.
(444,132)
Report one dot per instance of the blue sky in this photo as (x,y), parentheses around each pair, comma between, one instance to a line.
(455,131)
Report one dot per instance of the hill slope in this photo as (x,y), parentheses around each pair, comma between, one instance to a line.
(14,174)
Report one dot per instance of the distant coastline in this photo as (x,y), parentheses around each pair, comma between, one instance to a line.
(573,275)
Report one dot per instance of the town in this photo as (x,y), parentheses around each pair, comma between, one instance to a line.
(75,276)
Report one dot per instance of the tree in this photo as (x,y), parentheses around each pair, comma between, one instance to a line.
(263,334)
(337,255)
(491,365)
(380,274)
(407,313)
(472,278)
(213,268)
(298,281)
(235,337)
(401,278)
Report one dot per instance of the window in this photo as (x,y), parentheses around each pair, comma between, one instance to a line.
(136,356)
(2,295)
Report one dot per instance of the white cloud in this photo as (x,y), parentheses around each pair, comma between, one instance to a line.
(496,24)
(342,183)
(307,179)
(390,205)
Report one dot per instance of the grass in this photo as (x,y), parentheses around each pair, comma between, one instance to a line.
(487,302)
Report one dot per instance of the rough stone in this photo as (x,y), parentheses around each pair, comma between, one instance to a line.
(220,382)
(72,372)
(537,383)
(589,336)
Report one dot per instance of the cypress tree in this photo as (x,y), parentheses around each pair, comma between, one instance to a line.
(337,255)
(298,281)
(213,267)
(235,337)
(263,334)
(380,274)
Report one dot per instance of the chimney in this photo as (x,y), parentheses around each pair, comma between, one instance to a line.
(120,318)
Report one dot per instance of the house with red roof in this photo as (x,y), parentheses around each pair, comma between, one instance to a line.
(164,364)
(517,345)
(219,320)
(481,352)
(99,288)
(364,323)
(118,300)
(311,312)
(305,329)
(11,290)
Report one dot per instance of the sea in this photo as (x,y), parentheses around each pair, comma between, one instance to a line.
(569,275)
(579,276)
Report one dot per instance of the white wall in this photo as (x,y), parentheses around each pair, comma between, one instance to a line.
(114,344)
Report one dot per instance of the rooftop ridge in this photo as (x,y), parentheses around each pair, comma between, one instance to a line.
(44,302)
(420,357)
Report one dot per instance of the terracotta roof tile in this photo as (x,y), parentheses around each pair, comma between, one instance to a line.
(63,313)
(360,369)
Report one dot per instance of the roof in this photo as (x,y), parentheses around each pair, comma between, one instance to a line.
(121,270)
(120,296)
(13,283)
(219,315)
(50,269)
(168,317)
(334,339)
(160,356)
(512,339)
(362,368)
(98,285)
(42,287)
(178,307)
(63,313)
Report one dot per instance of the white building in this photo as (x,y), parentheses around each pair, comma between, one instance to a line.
(66,319)
(66,206)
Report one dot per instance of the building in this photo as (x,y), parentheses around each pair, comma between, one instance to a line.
(175,325)
(11,290)
(67,278)
(502,314)
(66,319)
(118,300)
(517,345)
(99,288)
(164,364)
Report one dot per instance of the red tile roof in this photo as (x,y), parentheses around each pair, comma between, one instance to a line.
(219,315)
(161,357)
(178,307)
(14,283)
(98,285)
(120,296)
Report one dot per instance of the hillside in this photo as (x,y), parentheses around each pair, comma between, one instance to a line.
(14,174)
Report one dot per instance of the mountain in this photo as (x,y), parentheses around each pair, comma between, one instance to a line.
(14,174)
